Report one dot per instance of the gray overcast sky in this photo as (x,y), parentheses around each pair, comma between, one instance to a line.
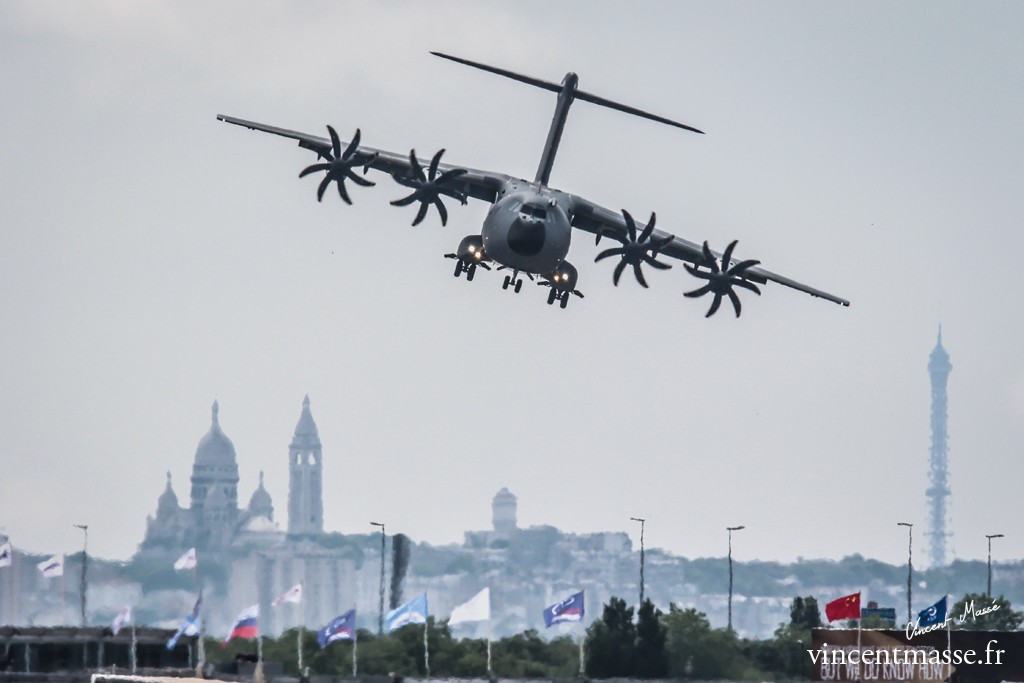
(153,259)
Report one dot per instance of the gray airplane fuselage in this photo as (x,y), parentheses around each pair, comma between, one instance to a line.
(528,228)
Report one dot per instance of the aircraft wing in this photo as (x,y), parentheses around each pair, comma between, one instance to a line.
(481,185)
(596,219)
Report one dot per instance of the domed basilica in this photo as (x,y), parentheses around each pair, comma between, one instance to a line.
(214,521)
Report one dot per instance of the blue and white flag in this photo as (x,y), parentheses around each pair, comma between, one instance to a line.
(190,626)
(936,614)
(570,609)
(412,612)
(340,628)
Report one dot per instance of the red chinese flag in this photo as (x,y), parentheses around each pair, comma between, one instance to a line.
(844,608)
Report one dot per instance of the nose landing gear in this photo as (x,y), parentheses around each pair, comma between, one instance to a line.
(514,280)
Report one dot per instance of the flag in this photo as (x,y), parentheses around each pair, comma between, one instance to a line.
(936,614)
(477,608)
(293,594)
(847,607)
(186,561)
(190,626)
(6,554)
(122,618)
(412,612)
(340,628)
(52,567)
(246,624)
(570,609)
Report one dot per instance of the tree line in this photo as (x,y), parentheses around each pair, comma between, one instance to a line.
(624,643)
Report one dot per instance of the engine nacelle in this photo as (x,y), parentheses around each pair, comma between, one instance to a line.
(471,250)
(564,277)
(469,255)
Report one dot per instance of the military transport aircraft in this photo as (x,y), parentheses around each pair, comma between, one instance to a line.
(529,225)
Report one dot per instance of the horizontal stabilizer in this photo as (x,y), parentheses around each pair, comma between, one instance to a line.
(577,94)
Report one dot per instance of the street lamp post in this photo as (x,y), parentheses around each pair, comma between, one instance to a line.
(641,520)
(990,537)
(85,563)
(910,562)
(380,619)
(731,529)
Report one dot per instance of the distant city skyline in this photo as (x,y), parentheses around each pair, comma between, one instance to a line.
(153,260)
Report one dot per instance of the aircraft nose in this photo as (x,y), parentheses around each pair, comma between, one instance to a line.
(526,238)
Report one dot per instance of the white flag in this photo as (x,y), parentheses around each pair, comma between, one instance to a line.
(477,608)
(186,561)
(52,567)
(6,554)
(293,594)
(122,618)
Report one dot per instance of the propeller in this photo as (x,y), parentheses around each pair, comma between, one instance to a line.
(721,281)
(634,250)
(339,165)
(427,188)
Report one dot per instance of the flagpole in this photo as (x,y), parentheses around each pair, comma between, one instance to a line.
(860,601)
(490,674)
(302,623)
(355,645)
(14,583)
(201,654)
(426,647)
(949,646)
(132,656)
(202,638)
(63,617)
(10,592)
(583,634)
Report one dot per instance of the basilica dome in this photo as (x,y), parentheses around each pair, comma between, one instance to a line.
(215,448)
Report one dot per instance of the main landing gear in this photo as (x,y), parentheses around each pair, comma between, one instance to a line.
(560,295)
(468,268)
(469,255)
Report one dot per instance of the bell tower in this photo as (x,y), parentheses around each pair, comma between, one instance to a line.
(305,477)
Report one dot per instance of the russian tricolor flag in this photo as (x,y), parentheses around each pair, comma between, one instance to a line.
(246,624)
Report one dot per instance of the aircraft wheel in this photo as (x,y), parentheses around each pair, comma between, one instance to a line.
(565,300)
(504,285)
(471,272)
(519,285)
(458,268)
(551,296)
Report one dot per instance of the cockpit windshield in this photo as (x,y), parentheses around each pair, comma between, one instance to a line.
(534,211)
